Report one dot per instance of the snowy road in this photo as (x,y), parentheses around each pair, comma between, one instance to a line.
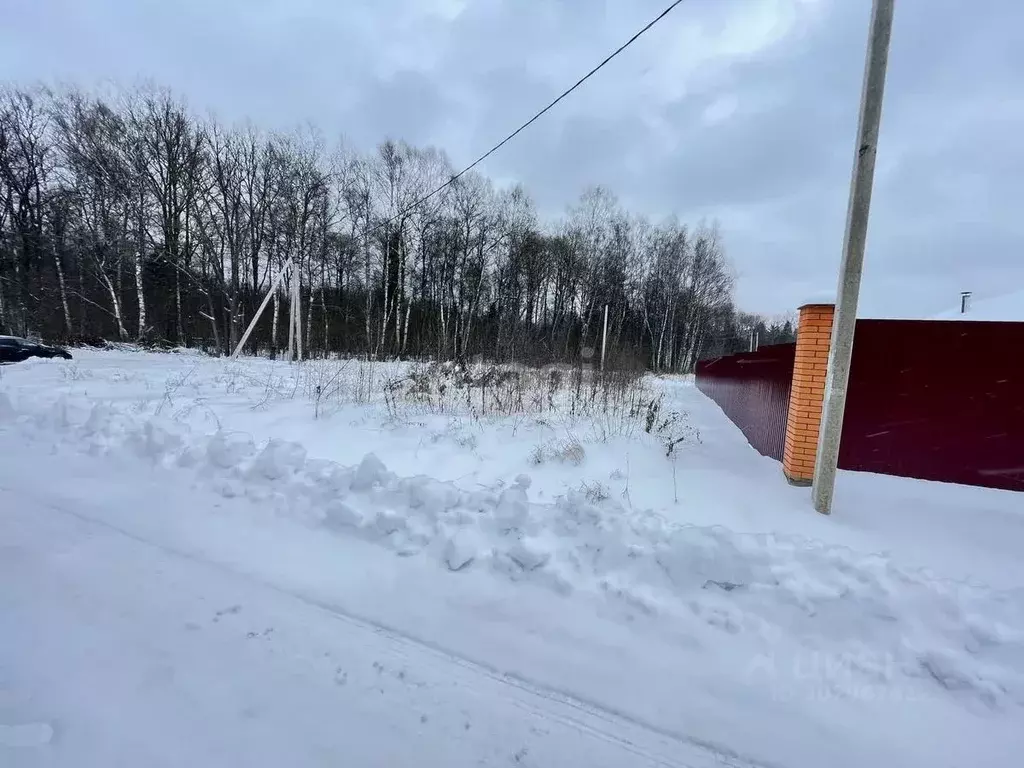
(124,652)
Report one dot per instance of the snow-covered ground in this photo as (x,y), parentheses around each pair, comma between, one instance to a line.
(200,565)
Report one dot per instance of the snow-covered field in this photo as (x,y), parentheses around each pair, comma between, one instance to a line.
(202,561)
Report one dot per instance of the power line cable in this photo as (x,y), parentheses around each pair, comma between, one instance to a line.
(533,119)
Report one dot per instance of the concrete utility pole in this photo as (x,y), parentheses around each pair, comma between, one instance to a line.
(297,304)
(853,256)
(291,316)
(266,300)
(604,336)
(295,319)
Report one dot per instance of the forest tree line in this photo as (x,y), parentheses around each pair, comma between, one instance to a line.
(128,218)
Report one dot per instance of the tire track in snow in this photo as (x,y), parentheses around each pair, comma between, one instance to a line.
(669,748)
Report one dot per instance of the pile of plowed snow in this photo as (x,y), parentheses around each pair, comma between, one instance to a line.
(862,609)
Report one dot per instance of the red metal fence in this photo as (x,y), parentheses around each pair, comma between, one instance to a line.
(753,390)
(938,401)
(934,400)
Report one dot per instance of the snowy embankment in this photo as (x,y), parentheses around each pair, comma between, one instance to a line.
(886,626)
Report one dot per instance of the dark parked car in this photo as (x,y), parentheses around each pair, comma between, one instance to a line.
(14,350)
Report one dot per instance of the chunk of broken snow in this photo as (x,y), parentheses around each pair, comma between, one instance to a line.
(528,555)
(513,508)
(279,459)
(339,515)
(155,442)
(55,416)
(954,673)
(98,421)
(227,450)
(431,496)
(387,522)
(460,551)
(371,472)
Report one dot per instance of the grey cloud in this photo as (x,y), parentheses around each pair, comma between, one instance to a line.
(407,106)
(775,172)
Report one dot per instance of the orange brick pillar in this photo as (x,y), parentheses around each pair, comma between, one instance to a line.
(813,338)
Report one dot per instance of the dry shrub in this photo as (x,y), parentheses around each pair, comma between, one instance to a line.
(538,455)
(567,451)
(570,451)
(595,492)
(672,428)
(614,402)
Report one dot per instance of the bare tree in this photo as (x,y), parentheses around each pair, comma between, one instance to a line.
(132,204)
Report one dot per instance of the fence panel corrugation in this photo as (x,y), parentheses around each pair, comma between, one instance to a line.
(937,401)
(752,389)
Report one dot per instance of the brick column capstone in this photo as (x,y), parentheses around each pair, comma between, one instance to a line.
(813,338)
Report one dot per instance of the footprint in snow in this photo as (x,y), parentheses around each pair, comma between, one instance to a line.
(229,611)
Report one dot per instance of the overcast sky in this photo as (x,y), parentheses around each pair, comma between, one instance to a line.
(739,110)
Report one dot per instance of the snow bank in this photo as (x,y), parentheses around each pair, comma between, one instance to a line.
(879,619)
